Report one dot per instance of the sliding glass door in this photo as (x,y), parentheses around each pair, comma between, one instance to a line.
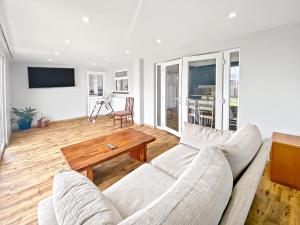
(168,76)
(202,90)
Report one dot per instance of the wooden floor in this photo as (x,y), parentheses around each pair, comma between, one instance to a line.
(33,157)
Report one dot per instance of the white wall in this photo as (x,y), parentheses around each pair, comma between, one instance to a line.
(269,80)
(55,103)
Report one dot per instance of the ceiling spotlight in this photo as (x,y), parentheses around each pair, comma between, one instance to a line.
(127,52)
(232,15)
(106,59)
(158,41)
(67,41)
(49,60)
(56,53)
(86,19)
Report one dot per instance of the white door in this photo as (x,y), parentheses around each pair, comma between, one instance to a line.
(170,107)
(202,90)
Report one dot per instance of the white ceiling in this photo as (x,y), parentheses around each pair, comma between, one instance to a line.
(38,28)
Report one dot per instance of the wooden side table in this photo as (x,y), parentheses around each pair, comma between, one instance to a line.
(285,160)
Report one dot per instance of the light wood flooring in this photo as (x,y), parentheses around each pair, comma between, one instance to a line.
(33,157)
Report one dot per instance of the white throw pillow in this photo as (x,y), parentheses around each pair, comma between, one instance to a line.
(241,148)
(198,136)
(77,200)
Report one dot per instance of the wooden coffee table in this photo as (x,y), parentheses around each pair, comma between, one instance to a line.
(85,155)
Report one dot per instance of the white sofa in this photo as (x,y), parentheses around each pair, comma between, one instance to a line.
(209,178)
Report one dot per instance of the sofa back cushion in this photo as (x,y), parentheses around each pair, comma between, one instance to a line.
(199,196)
(241,148)
(76,200)
(198,136)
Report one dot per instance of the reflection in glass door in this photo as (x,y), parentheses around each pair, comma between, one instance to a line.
(202,90)
(170,93)
(172,96)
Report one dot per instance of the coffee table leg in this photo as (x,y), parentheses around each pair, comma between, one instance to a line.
(139,154)
(89,173)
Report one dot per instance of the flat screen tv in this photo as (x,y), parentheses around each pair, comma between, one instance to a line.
(44,77)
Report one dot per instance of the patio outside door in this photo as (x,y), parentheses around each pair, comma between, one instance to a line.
(171,96)
(202,90)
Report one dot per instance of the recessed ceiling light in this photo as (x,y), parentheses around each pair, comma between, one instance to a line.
(93,64)
(56,53)
(232,15)
(106,59)
(49,60)
(158,41)
(67,41)
(86,19)
(127,52)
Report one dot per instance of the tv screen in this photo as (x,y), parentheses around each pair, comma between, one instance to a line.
(43,77)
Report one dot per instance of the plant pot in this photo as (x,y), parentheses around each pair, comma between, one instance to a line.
(24,124)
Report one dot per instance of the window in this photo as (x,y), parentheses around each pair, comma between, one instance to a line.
(121,81)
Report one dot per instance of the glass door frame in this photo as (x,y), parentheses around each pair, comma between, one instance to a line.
(219,86)
(226,89)
(3,132)
(163,95)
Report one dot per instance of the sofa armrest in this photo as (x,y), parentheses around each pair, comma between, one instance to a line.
(46,214)
(198,136)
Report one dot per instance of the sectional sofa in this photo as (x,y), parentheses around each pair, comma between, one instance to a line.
(209,178)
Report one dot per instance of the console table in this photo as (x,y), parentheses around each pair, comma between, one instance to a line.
(285,160)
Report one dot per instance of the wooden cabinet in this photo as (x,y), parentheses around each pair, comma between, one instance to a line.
(285,160)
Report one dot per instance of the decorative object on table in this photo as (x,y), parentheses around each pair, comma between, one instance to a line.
(126,114)
(43,122)
(111,146)
(24,117)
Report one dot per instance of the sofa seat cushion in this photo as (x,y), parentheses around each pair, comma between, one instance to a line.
(46,213)
(199,196)
(77,200)
(241,148)
(198,136)
(136,190)
(176,160)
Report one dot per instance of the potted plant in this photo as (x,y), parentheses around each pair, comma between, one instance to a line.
(24,117)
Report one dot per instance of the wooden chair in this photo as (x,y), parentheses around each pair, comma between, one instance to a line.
(123,116)
(206,112)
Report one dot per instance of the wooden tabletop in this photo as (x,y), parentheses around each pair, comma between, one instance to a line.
(286,139)
(92,152)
